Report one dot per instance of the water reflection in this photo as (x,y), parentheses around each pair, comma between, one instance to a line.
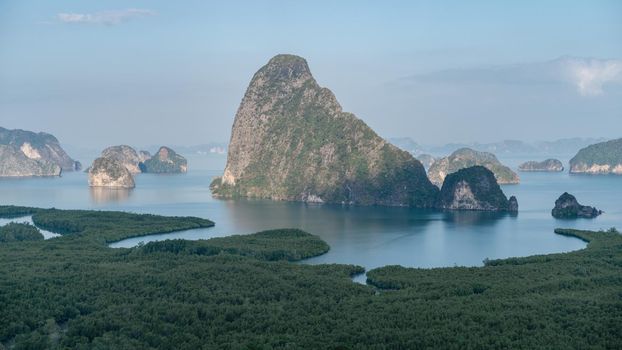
(326,220)
(103,195)
(475,218)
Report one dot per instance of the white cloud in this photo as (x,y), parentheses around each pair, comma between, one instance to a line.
(589,75)
(104,17)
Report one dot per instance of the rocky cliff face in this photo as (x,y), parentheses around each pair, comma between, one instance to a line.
(567,207)
(125,155)
(292,141)
(599,158)
(549,165)
(474,188)
(109,172)
(14,163)
(165,161)
(25,153)
(466,157)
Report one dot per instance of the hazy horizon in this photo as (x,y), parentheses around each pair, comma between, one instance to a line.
(155,72)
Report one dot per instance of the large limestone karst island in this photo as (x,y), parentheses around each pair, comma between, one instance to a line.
(25,153)
(466,157)
(292,141)
(599,158)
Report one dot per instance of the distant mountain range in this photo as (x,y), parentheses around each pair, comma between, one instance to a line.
(202,149)
(568,146)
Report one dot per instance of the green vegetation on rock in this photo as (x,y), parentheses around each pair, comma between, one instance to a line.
(14,163)
(110,172)
(125,155)
(165,161)
(75,292)
(292,141)
(567,207)
(599,158)
(25,153)
(474,188)
(466,157)
(549,165)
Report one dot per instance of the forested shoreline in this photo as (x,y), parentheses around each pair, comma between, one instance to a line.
(243,292)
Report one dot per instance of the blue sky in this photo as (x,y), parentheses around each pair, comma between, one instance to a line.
(96,73)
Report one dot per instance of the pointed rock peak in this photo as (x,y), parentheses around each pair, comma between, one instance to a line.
(284,68)
(291,141)
(288,60)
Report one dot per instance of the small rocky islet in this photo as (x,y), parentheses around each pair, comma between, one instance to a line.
(548,165)
(567,207)
(117,165)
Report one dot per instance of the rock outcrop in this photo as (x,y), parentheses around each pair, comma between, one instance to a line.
(14,163)
(292,141)
(599,158)
(549,165)
(466,157)
(165,161)
(125,155)
(474,188)
(109,172)
(513,204)
(25,153)
(567,207)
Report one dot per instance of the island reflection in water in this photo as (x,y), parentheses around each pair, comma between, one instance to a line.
(103,195)
(474,217)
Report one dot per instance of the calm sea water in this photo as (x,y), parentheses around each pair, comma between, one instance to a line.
(367,236)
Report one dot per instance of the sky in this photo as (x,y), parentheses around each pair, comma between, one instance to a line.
(97,73)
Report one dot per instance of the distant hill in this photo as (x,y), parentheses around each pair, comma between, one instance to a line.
(599,158)
(548,165)
(407,144)
(25,153)
(202,149)
(566,146)
(465,158)
(165,161)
